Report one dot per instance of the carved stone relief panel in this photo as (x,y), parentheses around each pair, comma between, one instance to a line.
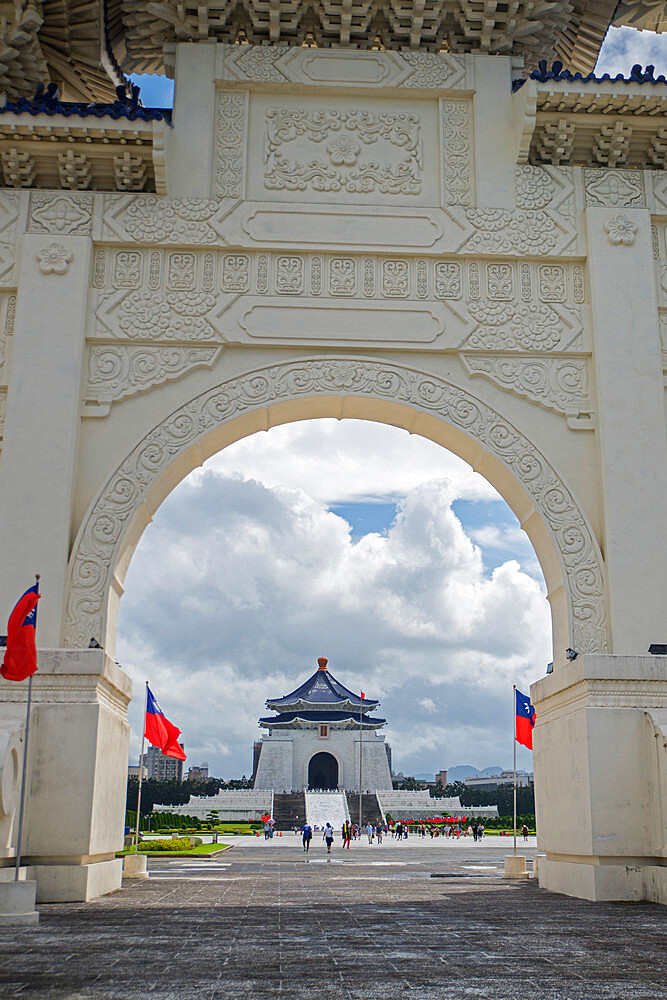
(231,143)
(340,68)
(9,214)
(559,384)
(622,188)
(456,142)
(3,412)
(60,214)
(352,150)
(152,219)
(117,371)
(659,178)
(7,316)
(336,223)
(175,296)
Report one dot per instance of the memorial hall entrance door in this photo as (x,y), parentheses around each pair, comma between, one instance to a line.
(323,771)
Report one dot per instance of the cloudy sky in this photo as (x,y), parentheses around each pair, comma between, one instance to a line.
(350,540)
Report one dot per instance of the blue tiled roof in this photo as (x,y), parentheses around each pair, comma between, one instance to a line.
(370,722)
(47,102)
(322,688)
(557,73)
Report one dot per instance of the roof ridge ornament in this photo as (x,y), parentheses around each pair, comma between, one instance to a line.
(322,663)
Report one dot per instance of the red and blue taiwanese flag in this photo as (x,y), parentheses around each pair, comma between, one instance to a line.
(21,655)
(159,731)
(524,721)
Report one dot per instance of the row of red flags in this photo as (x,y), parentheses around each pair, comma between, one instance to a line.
(20,662)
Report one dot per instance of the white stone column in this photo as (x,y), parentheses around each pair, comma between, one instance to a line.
(190,142)
(41,427)
(494,141)
(77,771)
(630,422)
(598,777)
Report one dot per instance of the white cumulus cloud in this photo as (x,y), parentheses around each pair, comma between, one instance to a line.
(239,585)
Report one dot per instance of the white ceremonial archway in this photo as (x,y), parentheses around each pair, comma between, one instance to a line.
(339,387)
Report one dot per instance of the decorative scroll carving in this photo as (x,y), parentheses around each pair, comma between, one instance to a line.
(127,269)
(60,214)
(524,326)
(297,142)
(172,315)
(96,549)
(500,231)
(548,188)
(433,70)
(232,115)
(236,273)
(342,276)
(559,384)
(456,145)
(447,280)
(8,304)
(117,372)
(152,219)
(54,259)
(615,188)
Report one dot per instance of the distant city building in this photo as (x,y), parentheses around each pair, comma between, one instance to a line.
(198,772)
(494,781)
(161,768)
(441,777)
(133,771)
(314,740)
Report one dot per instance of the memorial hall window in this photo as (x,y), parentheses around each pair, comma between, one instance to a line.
(324,730)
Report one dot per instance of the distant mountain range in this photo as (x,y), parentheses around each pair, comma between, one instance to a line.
(462,771)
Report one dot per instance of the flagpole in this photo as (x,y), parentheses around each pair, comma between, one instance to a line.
(141,770)
(25,768)
(361,741)
(23,781)
(514,741)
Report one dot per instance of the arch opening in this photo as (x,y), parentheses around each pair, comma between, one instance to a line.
(323,771)
(433,408)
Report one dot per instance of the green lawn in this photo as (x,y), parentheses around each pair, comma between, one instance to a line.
(183,852)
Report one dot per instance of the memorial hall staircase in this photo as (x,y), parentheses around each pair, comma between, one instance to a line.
(370,808)
(289,810)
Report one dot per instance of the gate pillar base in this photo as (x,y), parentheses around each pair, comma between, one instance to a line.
(630,882)
(76,883)
(600,759)
(76,781)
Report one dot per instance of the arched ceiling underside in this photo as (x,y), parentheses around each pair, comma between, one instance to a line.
(82,45)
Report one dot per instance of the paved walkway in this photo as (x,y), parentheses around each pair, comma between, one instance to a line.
(375,925)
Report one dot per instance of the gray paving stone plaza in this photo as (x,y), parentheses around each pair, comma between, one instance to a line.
(419,919)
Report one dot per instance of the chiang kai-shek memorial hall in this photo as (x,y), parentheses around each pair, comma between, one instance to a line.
(426,213)
(314,741)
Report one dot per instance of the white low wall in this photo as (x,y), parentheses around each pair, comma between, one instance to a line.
(233,806)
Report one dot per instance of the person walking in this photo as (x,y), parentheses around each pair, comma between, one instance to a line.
(378,831)
(306,835)
(524,831)
(328,837)
(370,832)
(474,831)
(480,831)
(347,834)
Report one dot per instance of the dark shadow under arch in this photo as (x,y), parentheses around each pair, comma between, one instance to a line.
(323,771)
